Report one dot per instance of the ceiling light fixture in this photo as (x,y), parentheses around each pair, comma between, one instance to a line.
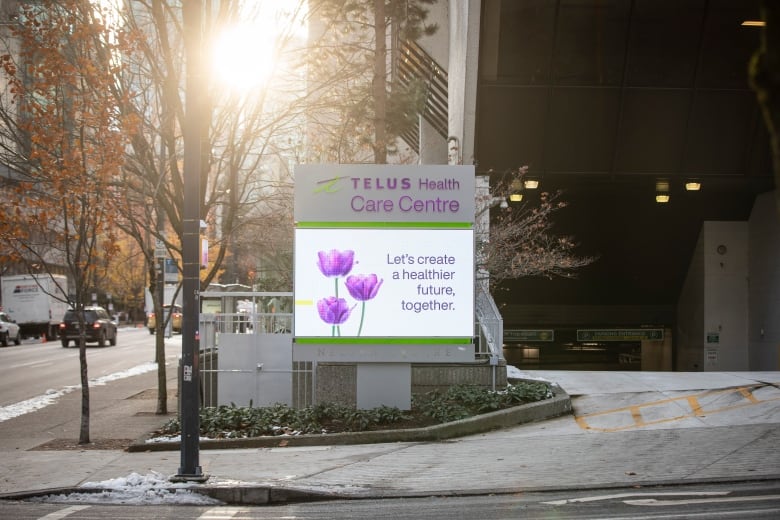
(531,184)
(662,198)
(692,186)
(753,23)
(515,191)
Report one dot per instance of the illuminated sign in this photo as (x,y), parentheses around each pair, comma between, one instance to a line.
(384,283)
(620,334)
(384,254)
(529,335)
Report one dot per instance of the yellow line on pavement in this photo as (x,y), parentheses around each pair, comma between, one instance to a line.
(636,414)
(693,401)
(747,394)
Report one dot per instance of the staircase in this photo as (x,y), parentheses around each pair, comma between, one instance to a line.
(413,63)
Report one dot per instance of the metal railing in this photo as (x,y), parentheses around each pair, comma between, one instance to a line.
(251,321)
(489,331)
(490,328)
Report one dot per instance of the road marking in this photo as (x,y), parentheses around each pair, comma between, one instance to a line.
(32,364)
(62,513)
(630,495)
(221,513)
(636,414)
(654,502)
(637,419)
(747,394)
(693,402)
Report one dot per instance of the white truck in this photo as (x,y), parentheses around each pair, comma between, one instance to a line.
(35,302)
(169,291)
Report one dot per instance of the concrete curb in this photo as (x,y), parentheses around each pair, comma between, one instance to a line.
(559,404)
(266,495)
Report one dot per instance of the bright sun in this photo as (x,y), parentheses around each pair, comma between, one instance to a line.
(243,57)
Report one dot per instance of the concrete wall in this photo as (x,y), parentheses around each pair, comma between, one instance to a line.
(337,382)
(657,355)
(438,44)
(764,293)
(690,315)
(462,67)
(712,325)
(426,378)
(725,296)
(433,147)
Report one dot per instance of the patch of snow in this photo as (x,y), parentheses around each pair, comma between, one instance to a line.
(134,489)
(51,396)
(170,438)
(515,373)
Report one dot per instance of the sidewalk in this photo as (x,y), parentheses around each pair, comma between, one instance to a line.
(628,429)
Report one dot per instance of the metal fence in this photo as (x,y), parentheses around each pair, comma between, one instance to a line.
(488,332)
(257,313)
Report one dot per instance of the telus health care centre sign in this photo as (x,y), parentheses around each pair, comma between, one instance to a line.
(384,254)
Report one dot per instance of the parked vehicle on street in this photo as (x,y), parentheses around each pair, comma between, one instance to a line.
(151,321)
(9,330)
(99,327)
(35,302)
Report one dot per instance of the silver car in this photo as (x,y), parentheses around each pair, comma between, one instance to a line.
(9,330)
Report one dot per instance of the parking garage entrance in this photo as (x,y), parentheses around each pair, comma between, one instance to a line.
(589,348)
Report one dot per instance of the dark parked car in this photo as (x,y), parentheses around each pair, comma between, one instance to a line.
(99,327)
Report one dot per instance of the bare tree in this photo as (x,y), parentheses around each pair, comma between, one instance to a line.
(519,239)
(241,136)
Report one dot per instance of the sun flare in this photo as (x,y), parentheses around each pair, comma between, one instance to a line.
(243,57)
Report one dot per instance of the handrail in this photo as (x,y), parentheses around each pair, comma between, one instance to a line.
(490,326)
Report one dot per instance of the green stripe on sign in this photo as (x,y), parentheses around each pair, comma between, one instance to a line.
(396,225)
(383,341)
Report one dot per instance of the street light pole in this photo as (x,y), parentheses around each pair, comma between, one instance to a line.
(190,375)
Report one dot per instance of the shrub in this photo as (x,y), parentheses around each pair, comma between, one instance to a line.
(435,407)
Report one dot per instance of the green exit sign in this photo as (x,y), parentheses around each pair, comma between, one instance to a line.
(587,335)
(529,334)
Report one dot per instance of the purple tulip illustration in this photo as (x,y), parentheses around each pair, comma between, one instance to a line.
(334,311)
(335,263)
(363,287)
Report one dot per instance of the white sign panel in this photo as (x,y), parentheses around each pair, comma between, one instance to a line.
(383,193)
(384,283)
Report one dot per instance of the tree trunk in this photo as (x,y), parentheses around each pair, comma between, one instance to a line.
(162,380)
(156,289)
(765,80)
(84,430)
(380,83)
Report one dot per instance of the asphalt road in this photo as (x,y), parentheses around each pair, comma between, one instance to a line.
(35,367)
(715,501)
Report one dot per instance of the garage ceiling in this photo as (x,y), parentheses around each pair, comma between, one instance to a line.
(602,99)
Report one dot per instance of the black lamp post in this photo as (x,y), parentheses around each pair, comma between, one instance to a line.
(190,375)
